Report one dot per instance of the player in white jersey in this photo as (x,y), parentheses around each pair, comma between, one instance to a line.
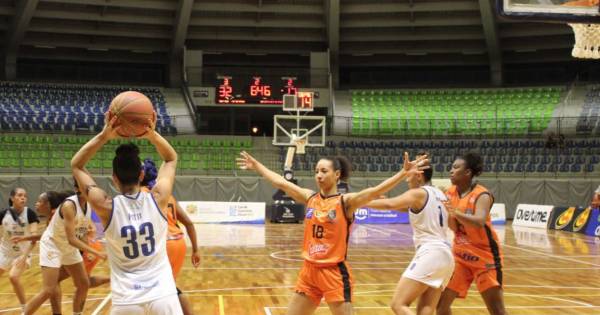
(432,266)
(17,221)
(135,227)
(59,248)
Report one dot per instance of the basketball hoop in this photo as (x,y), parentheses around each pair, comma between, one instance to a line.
(300,145)
(587,41)
(587,35)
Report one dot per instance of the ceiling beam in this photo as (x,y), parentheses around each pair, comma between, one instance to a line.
(24,13)
(180,30)
(492,40)
(332,16)
(132,4)
(357,8)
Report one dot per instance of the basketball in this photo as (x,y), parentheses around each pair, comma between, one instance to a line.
(133,111)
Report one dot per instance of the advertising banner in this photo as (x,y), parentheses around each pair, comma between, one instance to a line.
(593,226)
(498,213)
(373,216)
(225,212)
(565,218)
(535,216)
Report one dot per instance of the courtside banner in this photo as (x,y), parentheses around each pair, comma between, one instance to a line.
(535,216)
(225,212)
(570,219)
(373,216)
(498,213)
(593,227)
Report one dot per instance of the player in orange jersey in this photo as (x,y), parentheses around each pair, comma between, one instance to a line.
(476,248)
(176,247)
(325,273)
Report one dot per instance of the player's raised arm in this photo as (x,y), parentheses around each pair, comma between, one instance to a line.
(414,198)
(299,194)
(166,173)
(361,198)
(97,197)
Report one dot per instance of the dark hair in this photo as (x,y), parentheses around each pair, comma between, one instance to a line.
(342,164)
(150,173)
(126,164)
(13,192)
(428,173)
(55,198)
(474,162)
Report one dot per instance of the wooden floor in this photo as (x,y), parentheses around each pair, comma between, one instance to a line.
(251,270)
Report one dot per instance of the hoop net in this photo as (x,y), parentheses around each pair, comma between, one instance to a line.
(300,145)
(587,41)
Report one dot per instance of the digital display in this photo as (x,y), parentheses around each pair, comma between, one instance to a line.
(254,89)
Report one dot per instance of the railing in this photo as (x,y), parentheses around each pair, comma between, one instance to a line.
(473,127)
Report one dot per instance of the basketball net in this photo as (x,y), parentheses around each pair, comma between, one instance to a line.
(300,145)
(587,41)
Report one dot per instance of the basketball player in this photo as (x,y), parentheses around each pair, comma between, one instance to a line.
(60,248)
(17,221)
(431,268)
(175,242)
(135,227)
(325,273)
(476,248)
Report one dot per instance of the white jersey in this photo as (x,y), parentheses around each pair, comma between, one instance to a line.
(136,244)
(15,224)
(430,225)
(55,232)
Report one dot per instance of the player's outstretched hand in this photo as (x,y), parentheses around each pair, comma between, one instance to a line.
(417,166)
(246,161)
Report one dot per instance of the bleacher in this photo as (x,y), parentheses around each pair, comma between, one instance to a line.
(52,154)
(501,157)
(67,108)
(588,122)
(447,112)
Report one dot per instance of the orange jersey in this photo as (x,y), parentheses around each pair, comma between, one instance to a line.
(326,230)
(171,212)
(473,245)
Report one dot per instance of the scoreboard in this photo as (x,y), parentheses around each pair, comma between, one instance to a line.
(254,89)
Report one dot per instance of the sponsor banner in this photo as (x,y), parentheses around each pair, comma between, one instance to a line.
(498,213)
(570,219)
(532,237)
(593,227)
(373,216)
(535,216)
(225,212)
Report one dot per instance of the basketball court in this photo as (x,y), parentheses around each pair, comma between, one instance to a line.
(546,272)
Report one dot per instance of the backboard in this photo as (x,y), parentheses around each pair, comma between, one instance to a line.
(288,128)
(574,11)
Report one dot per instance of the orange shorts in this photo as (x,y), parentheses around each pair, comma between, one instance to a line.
(176,252)
(463,276)
(89,260)
(334,283)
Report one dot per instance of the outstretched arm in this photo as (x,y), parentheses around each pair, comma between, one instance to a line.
(414,198)
(166,174)
(299,194)
(97,197)
(361,198)
(191,232)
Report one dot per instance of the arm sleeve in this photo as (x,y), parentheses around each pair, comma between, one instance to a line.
(32,217)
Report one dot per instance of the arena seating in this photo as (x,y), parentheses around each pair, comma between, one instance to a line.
(502,157)
(588,118)
(27,153)
(56,108)
(442,112)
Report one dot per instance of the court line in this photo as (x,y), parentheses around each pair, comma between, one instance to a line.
(43,305)
(352,264)
(553,256)
(552,298)
(221,305)
(268,310)
(102,304)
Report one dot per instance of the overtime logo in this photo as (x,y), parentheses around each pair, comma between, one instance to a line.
(532,215)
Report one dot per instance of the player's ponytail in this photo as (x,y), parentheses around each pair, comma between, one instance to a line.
(126,164)
(150,173)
